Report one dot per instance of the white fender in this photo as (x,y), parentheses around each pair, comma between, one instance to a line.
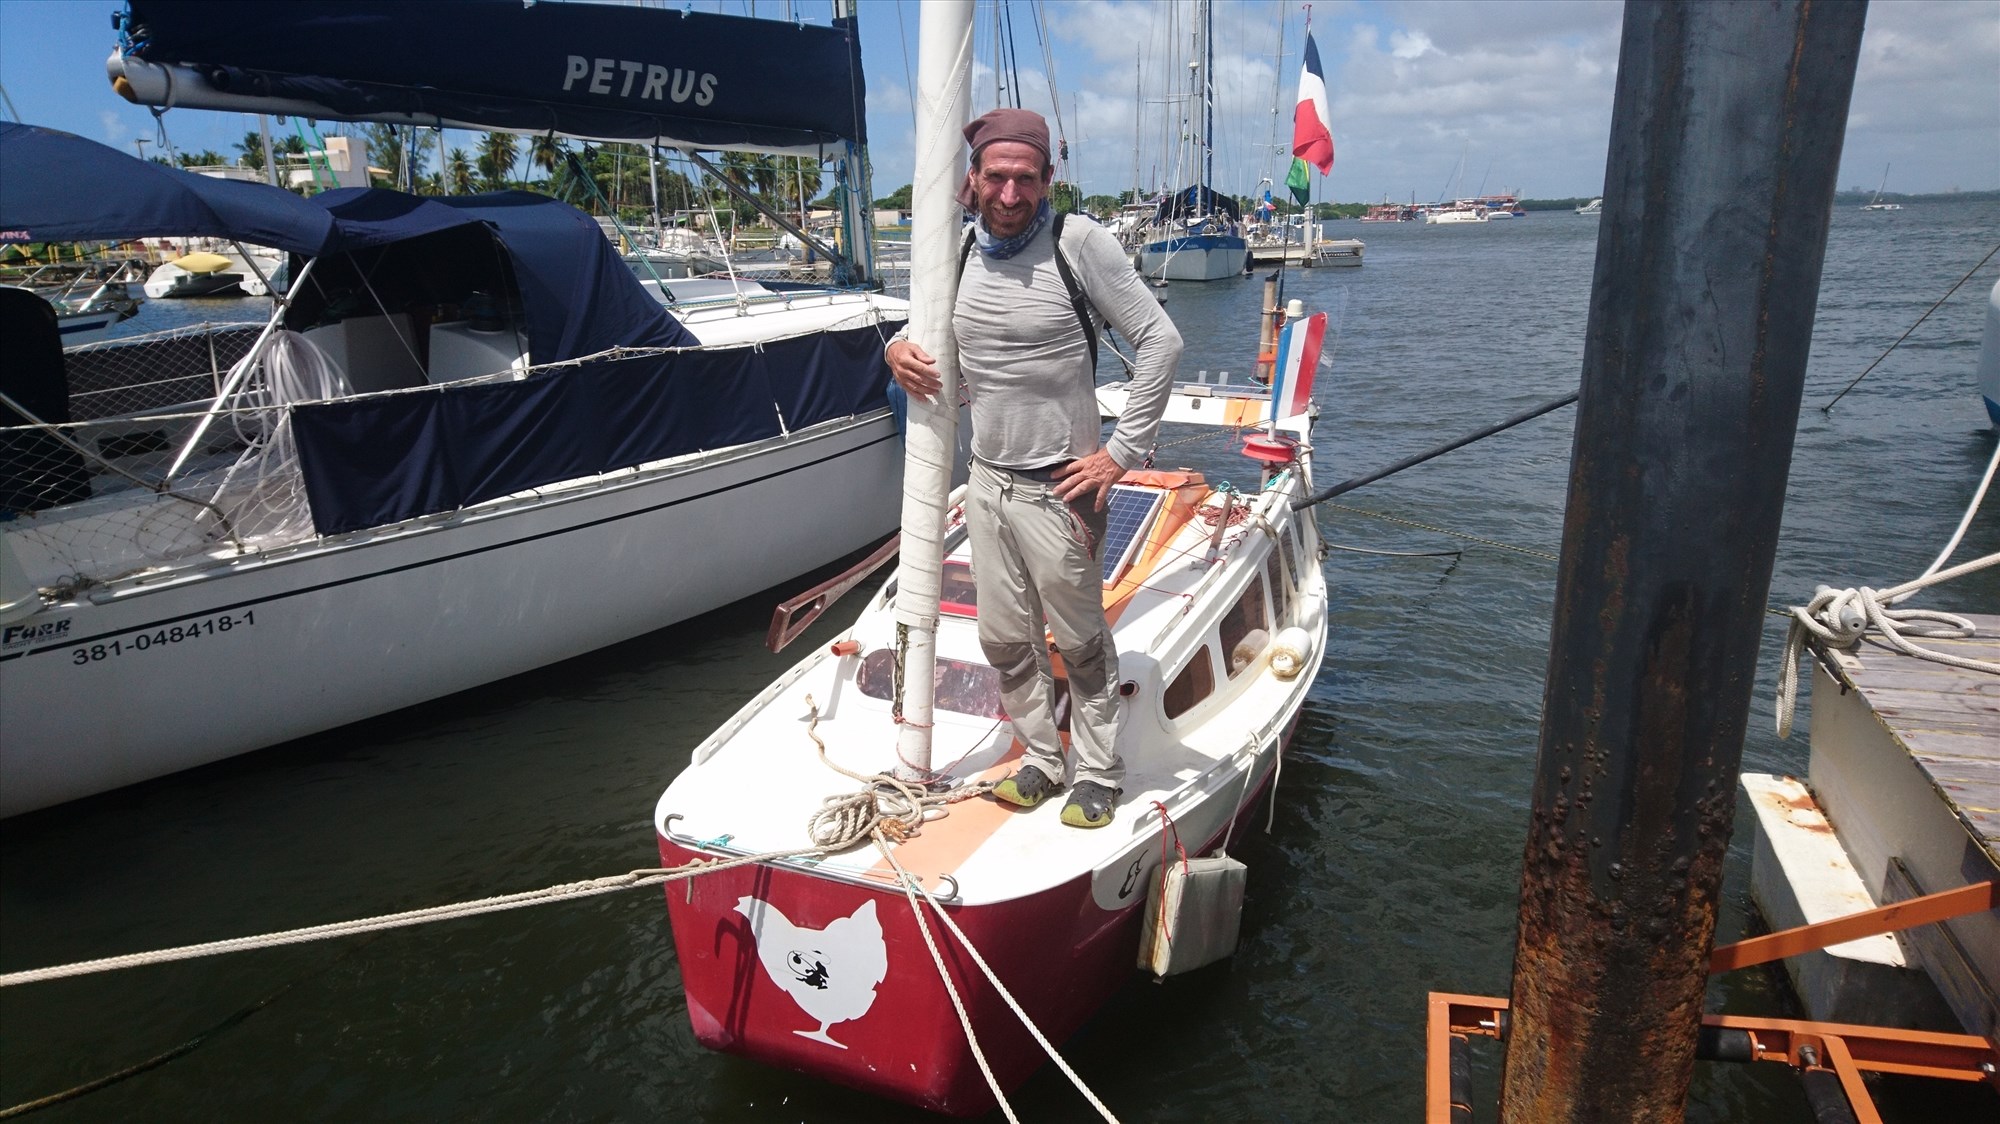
(1291,654)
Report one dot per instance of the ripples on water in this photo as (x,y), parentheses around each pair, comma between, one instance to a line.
(1391,870)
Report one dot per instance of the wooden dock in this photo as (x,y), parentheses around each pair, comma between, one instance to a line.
(1905,774)
(1326,252)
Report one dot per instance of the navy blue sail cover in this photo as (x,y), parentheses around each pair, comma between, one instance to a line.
(59,187)
(596,71)
(577,295)
(380,459)
(1197,200)
(376,460)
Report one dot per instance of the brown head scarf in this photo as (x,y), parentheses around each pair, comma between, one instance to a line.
(1023,125)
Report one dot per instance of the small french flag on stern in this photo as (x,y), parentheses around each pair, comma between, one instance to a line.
(1298,358)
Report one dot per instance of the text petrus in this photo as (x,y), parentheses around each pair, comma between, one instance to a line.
(652,81)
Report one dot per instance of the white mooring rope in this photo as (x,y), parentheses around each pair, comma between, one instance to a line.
(912,887)
(564,892)
(888,810)
(1839,617)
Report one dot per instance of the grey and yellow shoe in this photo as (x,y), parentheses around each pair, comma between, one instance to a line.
(1089,805)
(1028,787)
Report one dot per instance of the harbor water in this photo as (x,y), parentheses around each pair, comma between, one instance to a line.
(1390,869)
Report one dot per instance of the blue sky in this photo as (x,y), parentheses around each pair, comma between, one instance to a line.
(1518,94)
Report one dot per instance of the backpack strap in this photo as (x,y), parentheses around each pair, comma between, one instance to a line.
(1079,301)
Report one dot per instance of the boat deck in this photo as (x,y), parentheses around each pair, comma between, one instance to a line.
(1201,768)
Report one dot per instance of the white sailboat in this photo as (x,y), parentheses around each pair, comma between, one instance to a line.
(473,446)
(1876,204)
(1197,234)
(856,963)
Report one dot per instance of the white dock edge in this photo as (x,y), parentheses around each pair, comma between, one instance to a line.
(1801,875)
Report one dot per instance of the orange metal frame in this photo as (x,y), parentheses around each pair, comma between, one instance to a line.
(1845,1050)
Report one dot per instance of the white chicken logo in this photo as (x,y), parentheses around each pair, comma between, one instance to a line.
(831,973)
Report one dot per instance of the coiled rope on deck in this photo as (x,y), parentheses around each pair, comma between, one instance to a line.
(1839,617)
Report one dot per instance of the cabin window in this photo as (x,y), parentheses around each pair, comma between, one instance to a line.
(1246,632)
(1195,683)
(1285,547)
(957,686)
(957,593)
(1280,609)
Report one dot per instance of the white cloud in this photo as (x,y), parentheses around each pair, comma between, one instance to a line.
(115,131)
(1410,44)
(1522,90)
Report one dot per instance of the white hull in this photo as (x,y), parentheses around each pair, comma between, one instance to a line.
(1192,264)
(169,281)
(1452,217)
(148,677)
(88,327)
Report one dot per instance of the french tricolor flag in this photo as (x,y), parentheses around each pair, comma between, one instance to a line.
(1312,124)
(1298,358)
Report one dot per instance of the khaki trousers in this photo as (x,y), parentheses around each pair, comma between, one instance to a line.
(1037,563)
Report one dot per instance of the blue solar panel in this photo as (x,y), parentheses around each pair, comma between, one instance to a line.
(1130,518)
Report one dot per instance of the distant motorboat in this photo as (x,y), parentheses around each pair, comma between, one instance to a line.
(1459,212)
(1594,207)
(217,271)
(88,301)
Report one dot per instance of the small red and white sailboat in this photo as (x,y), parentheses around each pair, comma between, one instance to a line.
(1217,603)
(883,936)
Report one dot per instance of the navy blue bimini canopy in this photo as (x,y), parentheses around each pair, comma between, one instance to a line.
(59,187)
(579,298)
(595,71)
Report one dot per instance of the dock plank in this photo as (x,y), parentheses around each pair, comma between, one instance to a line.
(1946,718)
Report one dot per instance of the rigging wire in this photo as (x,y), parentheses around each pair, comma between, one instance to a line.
(1828,408)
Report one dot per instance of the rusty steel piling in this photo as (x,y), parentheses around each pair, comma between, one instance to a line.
(1726,135)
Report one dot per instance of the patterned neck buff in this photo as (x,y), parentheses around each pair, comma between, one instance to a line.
(1007,247)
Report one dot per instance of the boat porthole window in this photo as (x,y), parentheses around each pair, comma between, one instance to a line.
(1195,683)
(1246,632)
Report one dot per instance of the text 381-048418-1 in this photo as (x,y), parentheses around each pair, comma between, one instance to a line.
(161,637)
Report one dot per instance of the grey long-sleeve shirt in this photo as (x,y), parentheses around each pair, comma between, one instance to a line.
(1026,362)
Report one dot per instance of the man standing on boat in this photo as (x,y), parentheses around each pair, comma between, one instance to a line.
(1035,506)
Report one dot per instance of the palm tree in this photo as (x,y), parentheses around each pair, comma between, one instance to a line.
(458,173)
(799,179)
(250,151)
(496,159)
(546,152)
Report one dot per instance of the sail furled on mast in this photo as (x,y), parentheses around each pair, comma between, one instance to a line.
(594,71)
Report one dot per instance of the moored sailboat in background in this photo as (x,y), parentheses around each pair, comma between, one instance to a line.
(1197,234)
(475,445)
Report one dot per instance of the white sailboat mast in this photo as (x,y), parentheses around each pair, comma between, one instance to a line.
(944,67)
